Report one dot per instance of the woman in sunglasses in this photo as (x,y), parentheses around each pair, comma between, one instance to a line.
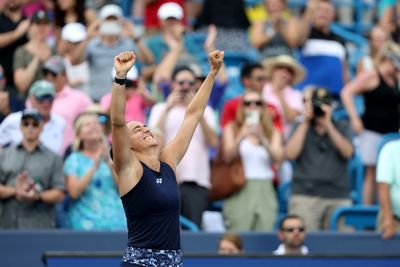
(253,138)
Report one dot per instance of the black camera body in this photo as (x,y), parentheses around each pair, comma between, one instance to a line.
(319,97)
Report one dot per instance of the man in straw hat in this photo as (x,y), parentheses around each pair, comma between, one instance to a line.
(282,72)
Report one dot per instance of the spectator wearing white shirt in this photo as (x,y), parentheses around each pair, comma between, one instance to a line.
(292,233)
(41,96)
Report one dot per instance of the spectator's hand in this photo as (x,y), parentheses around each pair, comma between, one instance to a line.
(357,125)
(209,44)
(24,188)
(123,63)
(174,98)
(308,112)
(216,59)
(128,29)
(93,29)
(178,30)
(389,229)
(188,96)
(4,103)
(173,42)
(22,27)
(327,109)
(312,4)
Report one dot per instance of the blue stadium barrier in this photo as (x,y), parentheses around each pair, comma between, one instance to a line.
(360,217)
(22,248)
(188,224)
(356,175)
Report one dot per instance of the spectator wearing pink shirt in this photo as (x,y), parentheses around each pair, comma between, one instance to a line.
(282,72)
(138,98)
(69,102)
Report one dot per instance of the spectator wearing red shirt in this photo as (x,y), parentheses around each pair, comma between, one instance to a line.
(253,78)
(151,19)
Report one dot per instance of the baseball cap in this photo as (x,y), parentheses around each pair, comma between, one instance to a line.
(73,32)
(40,17)
(55,64)
(31,113)
(170,10)
(110,10)
(42,88)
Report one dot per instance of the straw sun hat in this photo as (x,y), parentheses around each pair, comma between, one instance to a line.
(286,61)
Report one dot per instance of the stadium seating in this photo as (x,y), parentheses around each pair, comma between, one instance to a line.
(359,217)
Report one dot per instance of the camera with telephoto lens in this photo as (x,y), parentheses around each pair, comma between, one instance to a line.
(319,97)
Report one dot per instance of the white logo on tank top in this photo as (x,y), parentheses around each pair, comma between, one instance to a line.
(159,180)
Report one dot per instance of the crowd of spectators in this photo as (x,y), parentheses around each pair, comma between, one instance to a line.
(56,60)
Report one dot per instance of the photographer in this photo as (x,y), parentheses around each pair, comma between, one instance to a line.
(320,148)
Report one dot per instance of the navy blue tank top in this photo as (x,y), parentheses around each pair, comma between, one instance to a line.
(152,210)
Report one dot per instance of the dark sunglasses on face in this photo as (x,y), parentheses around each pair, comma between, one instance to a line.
(189,82)
(48,72)
(292,229)
(260,78)
(42,98)
(34,124)
(248,103)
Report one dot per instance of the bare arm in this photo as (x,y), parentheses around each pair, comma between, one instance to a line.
(363,82)
(295,144)
(164,70)
(6,191)
(52,196)
(305,22)
(274,146)
(127,167)
(23,77)
(289,31)
(387,18)
(209,133)
(343,145)
(8,38)
(386,209)
(231,140)
(175,150)
(258,37)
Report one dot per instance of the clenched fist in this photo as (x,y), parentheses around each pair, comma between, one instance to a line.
(123,63)
(216,59)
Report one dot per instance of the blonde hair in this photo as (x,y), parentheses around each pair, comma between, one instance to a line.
(265,117)
(80,121)
(389,48)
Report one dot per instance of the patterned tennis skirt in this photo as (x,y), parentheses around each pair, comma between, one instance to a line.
(152,257)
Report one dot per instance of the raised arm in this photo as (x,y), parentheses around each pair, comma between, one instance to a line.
(126,166)
(175,150)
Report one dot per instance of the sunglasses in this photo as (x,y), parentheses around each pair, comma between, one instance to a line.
(48,72)
(260,78)
(182,82)
(248,103)
(292,229)
(43,98)
(34,124)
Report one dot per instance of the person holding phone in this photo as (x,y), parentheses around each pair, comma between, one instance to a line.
(252,137)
